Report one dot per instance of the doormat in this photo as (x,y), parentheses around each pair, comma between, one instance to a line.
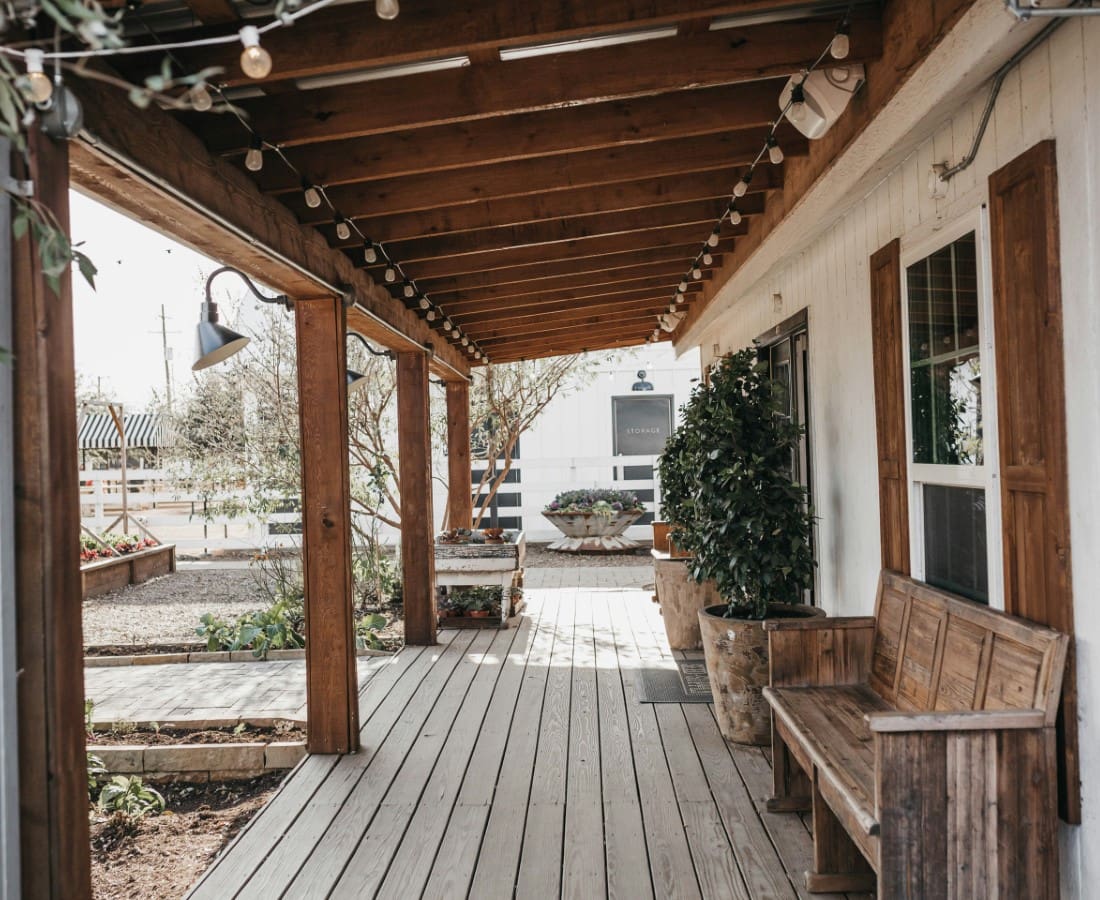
(688,683)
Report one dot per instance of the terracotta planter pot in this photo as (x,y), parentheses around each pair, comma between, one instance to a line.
(736,652)
(682,599)
(660,536)
(478,614)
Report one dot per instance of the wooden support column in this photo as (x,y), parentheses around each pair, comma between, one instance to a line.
(417,524)
(460,507)
(53,786)
(332,688)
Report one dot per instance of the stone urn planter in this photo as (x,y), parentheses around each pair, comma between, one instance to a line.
(681,599)
(736,651)
(590,532)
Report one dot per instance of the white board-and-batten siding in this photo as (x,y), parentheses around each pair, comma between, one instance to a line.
(1053,93)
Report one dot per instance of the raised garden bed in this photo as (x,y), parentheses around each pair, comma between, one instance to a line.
(105,575)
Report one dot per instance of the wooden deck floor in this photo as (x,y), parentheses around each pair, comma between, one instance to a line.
(519,763)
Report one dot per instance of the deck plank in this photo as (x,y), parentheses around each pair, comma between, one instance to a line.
(627,857)
(671,866)
(540,865)
(497,865)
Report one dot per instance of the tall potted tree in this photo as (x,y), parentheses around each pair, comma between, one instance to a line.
(681,596)
(747,525)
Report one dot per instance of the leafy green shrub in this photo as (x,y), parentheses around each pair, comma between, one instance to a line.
(130,796)
(375,576)
(730,493)
(366,628)
(274,628)
(95,770)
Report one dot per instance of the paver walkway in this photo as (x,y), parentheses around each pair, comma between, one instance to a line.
(179,693)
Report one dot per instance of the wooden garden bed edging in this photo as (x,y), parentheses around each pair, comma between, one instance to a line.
(106,575)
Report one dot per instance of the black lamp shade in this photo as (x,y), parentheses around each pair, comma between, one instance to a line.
(213,343)
(356,380)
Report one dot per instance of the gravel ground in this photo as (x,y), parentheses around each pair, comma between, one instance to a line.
(167,609)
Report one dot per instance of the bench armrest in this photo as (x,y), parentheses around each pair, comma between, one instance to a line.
(818,623)
(819,652)
(965,720)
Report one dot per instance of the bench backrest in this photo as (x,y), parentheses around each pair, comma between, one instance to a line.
(937,652)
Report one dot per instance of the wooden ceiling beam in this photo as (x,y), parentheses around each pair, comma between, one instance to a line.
(349,37)
(558,286)
(631,260)
(570,203)
(652,301)
(528,85)
(458,306)
(582,335)
(588,168)
(609,325)
(564,347)
(701,214)
(565,250)
(213,12)
(527,135)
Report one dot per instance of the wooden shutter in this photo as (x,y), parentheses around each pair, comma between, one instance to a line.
(1027,320)
(886,343)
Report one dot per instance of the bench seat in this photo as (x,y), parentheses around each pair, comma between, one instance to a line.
(902,731)
(829,725)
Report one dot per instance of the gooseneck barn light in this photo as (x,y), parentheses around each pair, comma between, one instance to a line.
(213,341)
(357,380)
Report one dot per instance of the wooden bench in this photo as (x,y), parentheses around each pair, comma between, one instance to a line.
(922,738)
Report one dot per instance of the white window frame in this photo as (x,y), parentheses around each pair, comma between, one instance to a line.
(987,475)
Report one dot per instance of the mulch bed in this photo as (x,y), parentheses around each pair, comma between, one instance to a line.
(169,735)
(160,857)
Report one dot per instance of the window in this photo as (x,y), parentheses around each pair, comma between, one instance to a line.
(954,506)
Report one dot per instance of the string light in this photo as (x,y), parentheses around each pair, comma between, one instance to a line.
(201,101)
(370,253)
(683,286)
(841,45)
(715,236)
(734,215)
(775,152)
(796,109)
(696,272)
(430,315)
(707,258)
(742,187)
(408,290)
(255,60)
(425,303)
(447,325)
(679,296)
(37,86)
(455,333)
(311,194)
(343,231)
(390,274)
(465,341)
(254,158)
(387,10)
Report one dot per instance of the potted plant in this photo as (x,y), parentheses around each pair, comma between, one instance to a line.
(594,521)
(747,526)
(680,596)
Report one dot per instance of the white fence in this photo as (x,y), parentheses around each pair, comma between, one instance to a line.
(187,521)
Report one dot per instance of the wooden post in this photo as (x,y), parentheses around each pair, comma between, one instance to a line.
(417,538)
(460,506)
(53,786)
(332,689)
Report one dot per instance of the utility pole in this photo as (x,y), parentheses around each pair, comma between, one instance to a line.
(167,358)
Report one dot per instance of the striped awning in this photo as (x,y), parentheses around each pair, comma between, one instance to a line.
(98,432)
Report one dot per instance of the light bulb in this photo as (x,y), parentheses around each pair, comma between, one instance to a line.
(254,158)
(425,303)
(679,297)
(311,194)
(775,152)
(447,325)
(735,216)
(255,60)
(797,110)
(683,286)
(390,274)
(469,349)
(696,272)
(370,254)
(343,232)
(712,241)
(741,188)
(840,46)
(430,315)
(387,9)
(672,307)
(201,100)
(38,88)
(707,259)
(455,333)
(465,341)
(409,290)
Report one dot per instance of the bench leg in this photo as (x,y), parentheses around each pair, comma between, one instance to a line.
(790,785)
(838,865)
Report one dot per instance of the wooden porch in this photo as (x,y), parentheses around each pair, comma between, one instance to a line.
(520,762)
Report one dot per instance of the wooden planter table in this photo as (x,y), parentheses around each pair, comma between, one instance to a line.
(482,565)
